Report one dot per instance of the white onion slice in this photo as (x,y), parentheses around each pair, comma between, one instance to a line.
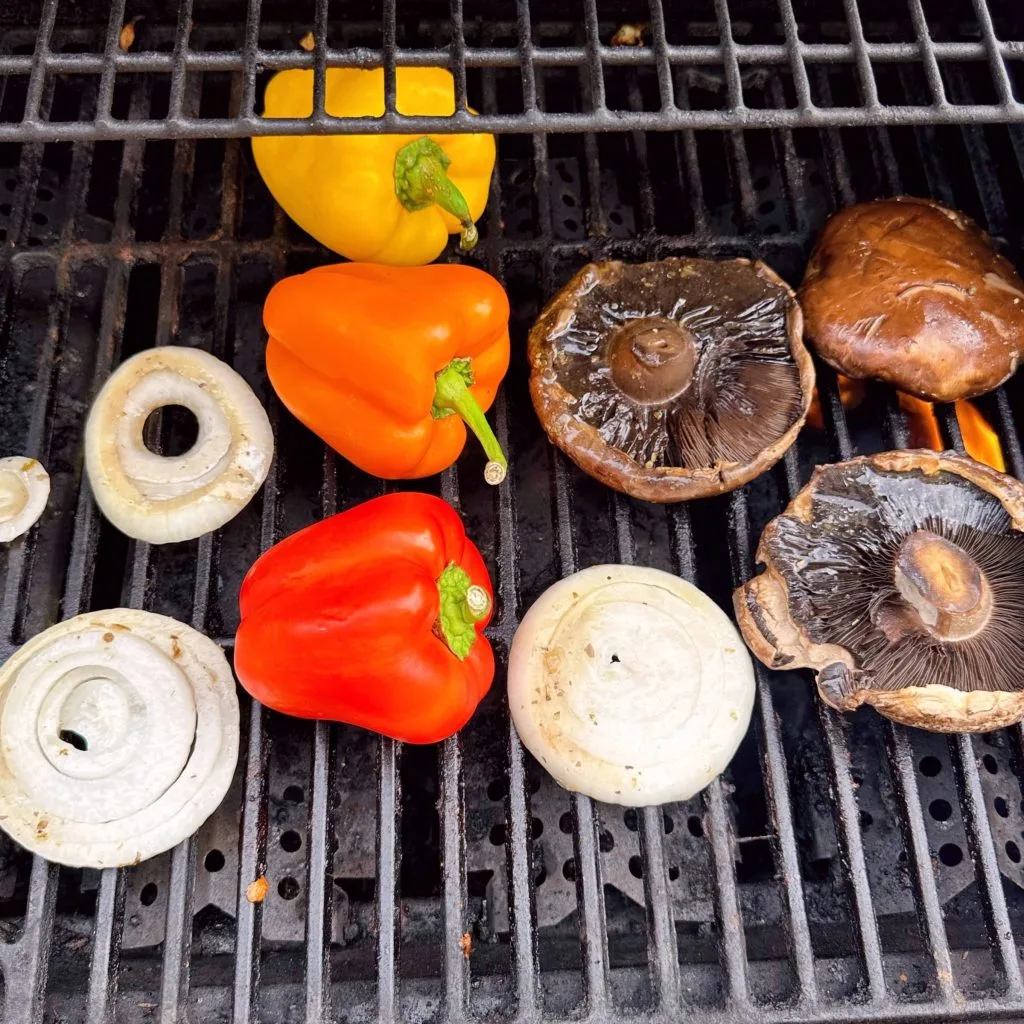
(118,737)
(630,685)
(24,490)
(159,498)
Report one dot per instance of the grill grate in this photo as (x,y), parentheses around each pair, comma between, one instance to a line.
(845,869)
(737,50)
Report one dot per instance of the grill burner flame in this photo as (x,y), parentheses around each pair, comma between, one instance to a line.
(980,439)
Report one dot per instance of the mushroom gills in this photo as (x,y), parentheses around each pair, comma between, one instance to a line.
(675,379)
(863,608)
(757,399)
(887,574)
(683,367)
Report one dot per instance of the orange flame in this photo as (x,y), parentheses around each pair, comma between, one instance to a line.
(924,427)
(980,440)
(851,394)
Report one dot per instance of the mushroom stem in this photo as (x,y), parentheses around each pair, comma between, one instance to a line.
(943,584)
(652,359)
(452,395)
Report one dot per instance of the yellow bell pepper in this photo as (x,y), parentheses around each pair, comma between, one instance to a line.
(391,199)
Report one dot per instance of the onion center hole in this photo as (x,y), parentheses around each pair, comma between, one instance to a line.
(615,659)
(76,739)
(177,433)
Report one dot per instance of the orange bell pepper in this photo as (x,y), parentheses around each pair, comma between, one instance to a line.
(390,364)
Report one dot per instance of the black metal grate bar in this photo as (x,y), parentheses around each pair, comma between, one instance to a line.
(453,843)
(388,854)
(659,43)
(729,56)
(979,833)
(251,867)
(390,58)
(38,67)
(28,961)
(107,939)
(898,737)
(251,59)
(187,56)
(677,55)
(110,50)
(927,48)
(869,91)
(716,205)
(973,801)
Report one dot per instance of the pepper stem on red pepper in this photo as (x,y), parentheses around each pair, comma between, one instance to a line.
(421,180)
(462,605)
(452,395)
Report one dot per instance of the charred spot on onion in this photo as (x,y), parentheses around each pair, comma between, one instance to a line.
(672,380)
(898,578)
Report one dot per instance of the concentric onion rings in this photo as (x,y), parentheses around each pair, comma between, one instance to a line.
(24,490)
(162,499)
(629,685)
(118,737)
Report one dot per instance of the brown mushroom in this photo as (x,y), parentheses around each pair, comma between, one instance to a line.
(672,380)
(912,293)
(898,578)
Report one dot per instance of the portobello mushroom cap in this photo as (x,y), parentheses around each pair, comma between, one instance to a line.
(898,578)
(912,293)
(672,380)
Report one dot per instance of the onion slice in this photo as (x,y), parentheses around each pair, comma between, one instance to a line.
(24,490)
(162,499)
(630,685)
(118,737)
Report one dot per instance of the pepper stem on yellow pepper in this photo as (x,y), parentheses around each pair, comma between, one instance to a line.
(462,604)
(421,181)
(452,395)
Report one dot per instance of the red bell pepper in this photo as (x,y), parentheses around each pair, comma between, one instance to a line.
(373,617)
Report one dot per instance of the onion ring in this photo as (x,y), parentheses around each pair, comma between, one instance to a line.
(159,498)
(24,490)
(118,737)
(630,685)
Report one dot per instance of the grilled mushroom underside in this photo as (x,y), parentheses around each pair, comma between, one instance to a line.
(898,579)
(675,379)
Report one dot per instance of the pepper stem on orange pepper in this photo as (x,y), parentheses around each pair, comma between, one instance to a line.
(452,395)
(421,180)
(463,605)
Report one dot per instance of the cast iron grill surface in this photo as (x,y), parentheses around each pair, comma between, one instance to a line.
(616,87)
(842,870)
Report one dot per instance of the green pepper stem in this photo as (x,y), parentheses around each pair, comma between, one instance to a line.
(478,604)
(461,605)
(421,180)
(452,395)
